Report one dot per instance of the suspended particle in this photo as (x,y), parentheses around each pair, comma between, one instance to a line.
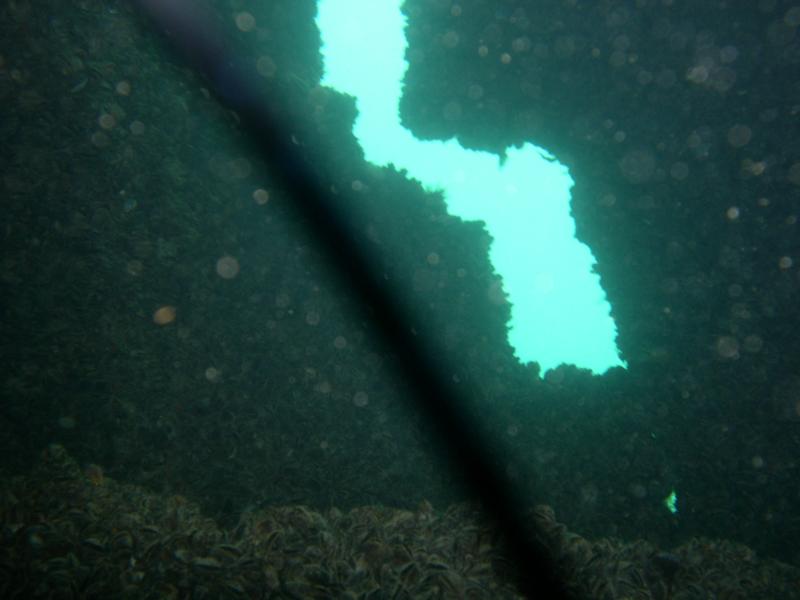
(94,473)
(521,44)
(679,171)
(266,67)
(753,343)
(165,315)
(134,267)
(360,399)
(67,422)
(728,347)
(450,39)
(261,196)
(739,136)
(100,139)
(227,267)
(107,121)
(245,21)
(637,490)
(793,174)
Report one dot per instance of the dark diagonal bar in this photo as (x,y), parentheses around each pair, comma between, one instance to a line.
(195,37)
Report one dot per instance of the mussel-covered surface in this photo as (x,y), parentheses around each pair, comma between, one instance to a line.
(69,532)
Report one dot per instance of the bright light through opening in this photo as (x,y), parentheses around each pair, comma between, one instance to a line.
(559,312)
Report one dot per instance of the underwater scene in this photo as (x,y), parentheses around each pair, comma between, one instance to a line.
(400,299)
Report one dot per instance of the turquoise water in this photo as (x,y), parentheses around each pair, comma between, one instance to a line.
(560,313)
